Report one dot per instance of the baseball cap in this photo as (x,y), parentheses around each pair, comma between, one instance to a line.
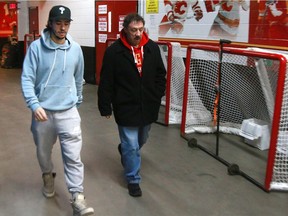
(60,12)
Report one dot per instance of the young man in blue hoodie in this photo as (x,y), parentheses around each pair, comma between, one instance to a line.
(51,82)
(132,83)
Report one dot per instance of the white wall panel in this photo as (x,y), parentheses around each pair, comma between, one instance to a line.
(83,14)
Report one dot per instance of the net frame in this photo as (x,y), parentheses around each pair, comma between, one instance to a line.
(276,177)
(172,59)
(167,61)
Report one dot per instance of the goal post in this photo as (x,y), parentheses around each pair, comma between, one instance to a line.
(166,54)
(171,103)
(254,91)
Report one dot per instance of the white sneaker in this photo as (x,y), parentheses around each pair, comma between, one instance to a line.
(79,206)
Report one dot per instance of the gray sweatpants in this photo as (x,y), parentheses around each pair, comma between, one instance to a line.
(66,125)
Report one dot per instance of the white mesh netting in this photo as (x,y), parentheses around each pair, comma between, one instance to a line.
(239,79)
(177,86)
(280,168)
(176,82)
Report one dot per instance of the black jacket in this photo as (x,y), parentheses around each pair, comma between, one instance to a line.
(135,100)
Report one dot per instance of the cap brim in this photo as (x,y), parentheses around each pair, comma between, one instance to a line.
(62,18)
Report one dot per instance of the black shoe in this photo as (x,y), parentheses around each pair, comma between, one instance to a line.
(134,190)
(120,152)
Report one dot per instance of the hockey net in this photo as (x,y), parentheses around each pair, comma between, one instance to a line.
(254,86)
(175,66)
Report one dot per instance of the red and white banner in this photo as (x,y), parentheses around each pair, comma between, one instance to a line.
(250,22)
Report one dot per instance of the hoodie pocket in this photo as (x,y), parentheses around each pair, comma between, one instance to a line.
(54,95)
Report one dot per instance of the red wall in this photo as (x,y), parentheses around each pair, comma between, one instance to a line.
(8,19)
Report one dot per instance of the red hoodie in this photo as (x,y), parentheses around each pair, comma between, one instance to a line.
(138,52)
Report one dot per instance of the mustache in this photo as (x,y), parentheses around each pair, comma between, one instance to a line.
(137,37)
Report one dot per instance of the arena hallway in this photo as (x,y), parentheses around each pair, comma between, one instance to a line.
(177,180)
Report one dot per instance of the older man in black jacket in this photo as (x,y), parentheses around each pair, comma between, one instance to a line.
(132,82)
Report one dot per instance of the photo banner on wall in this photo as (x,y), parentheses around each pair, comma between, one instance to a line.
(269,23)
(205,20)
(242,21)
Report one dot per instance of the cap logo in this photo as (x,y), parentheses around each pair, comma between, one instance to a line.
(62,9)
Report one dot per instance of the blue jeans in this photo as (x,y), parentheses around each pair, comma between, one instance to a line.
(132,139)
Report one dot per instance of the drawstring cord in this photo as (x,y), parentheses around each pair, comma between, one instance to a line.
(64,67)
(53,65)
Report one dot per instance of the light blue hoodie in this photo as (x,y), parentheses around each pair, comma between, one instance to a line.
(52,75)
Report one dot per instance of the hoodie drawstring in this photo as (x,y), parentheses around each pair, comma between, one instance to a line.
(64,66)
(53,65)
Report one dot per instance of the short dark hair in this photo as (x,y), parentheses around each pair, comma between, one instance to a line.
(131,18)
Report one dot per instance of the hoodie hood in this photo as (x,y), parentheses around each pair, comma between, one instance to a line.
(48,43)
(124,40)
(138,52)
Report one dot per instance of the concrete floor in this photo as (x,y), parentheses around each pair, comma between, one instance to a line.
(177,180)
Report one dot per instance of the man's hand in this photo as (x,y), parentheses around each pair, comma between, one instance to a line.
(40,114)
